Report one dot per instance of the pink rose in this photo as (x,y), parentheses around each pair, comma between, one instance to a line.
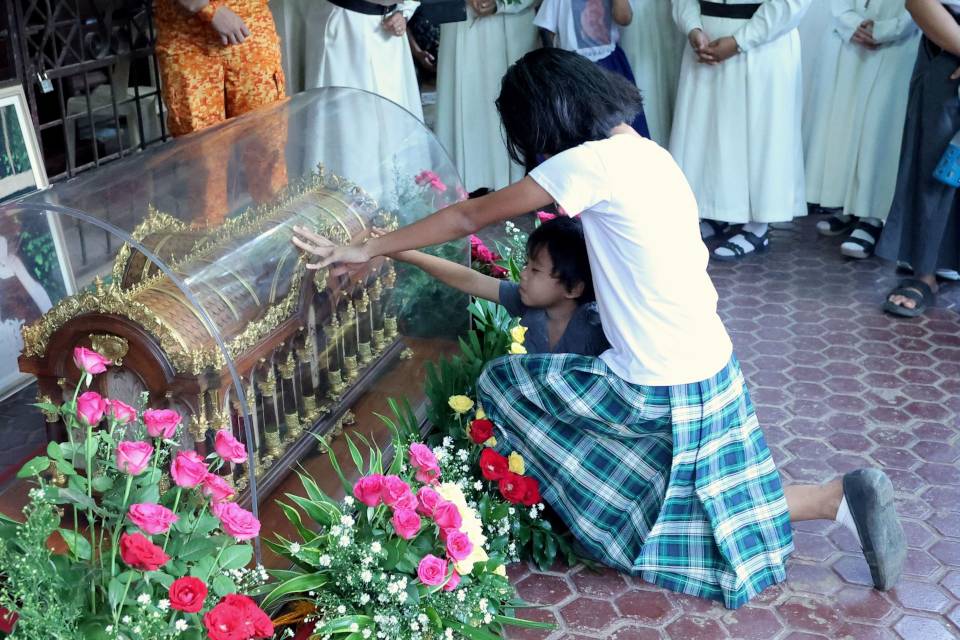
(188,469)
(406,523)
(216,488)
(369,489)
(421,456)
(429,475)
(543,216)
(89,361)
(90,407)
(406,501)
(236,521)
(161,423)
(425,177)
(133,457)
(151,518)
(393,489)
(432,571)
(447,516)
(437,185)
(427,500)
(229,448)
(121,412)
(459,546)
(453,582)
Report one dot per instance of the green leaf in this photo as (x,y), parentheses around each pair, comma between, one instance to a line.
(53,450)
(115,592)
(203,568)
(473,633)
(195,549)
(236,557)
(323,513)
(65,468)
(355,454)
(79,546)
(102,484)
(222,585)
(343,624)
(520,622)
(35,467)
(294,517)
(300,584)
(164,579)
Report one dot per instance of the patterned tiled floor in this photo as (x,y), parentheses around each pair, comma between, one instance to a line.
(838,385)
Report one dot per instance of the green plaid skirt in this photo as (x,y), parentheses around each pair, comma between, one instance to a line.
(674,484)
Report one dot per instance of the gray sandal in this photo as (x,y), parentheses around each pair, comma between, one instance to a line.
(869,495)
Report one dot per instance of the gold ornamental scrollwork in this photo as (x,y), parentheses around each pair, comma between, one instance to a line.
(112,347)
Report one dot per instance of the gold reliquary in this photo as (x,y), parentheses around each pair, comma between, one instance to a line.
(184,274)
(303,343)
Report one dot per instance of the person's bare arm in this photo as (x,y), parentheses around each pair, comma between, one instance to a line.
(454,275)
(456,221)
(936,23)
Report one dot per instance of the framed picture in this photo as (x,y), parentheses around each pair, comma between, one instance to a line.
(21,168)
(34,272)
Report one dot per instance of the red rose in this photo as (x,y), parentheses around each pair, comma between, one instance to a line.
(531,495)
(481,431)
(187,594)
(513,487)
(140,553)
(8,620)
(237,617)
(493,466)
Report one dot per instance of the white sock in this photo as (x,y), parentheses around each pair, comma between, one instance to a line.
(845,518)
(824,225)
(756,228)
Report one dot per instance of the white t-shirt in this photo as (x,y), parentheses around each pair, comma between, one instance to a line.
(657,303)
(583,26)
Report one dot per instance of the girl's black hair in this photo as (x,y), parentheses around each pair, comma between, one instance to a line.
(563,239)
(552,100)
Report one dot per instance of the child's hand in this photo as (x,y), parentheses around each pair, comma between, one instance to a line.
(699,41)
(723,49)
(342,260)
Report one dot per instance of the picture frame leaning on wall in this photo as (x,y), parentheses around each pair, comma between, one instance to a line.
(34,269)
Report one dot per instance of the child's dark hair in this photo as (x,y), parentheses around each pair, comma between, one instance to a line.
(552,100)
(562,237)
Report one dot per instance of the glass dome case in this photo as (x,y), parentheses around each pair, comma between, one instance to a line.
(178,265)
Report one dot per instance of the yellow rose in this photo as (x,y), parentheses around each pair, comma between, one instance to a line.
(516,463)
(518,333)
(480,414)
(460,404)
(491,442)
(501,570)
(517,349)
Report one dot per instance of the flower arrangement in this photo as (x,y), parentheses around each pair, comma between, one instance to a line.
(404,556)
(141,562)
(463,439)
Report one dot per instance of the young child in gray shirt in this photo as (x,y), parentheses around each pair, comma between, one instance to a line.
(554,298)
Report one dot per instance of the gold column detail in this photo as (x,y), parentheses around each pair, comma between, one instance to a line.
(112,347)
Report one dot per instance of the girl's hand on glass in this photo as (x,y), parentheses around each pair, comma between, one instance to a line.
(346,259)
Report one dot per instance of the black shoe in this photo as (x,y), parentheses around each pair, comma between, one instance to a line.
(869,495)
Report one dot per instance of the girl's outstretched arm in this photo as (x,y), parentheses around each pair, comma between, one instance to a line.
(456,221)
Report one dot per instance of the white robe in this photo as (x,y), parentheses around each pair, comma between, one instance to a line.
(654,47)
(856,111)
(473,57)
(290,17)
(351,49)
(815,22)
(736,129)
